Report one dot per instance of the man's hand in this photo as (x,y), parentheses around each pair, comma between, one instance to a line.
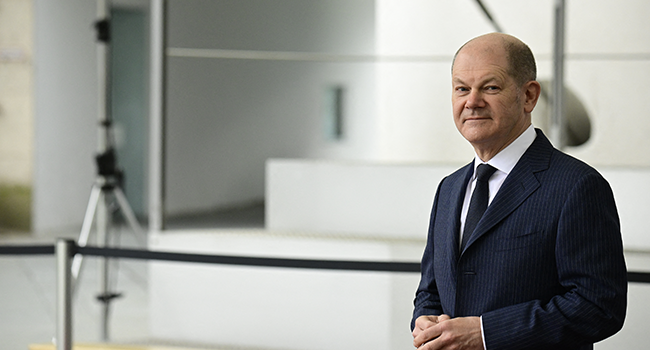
(442,332)
(424,322)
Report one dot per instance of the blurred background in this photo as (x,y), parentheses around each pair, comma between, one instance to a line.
(297,128)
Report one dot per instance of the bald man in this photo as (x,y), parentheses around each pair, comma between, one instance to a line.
(539,264)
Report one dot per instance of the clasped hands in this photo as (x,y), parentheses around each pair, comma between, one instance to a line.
(444,332)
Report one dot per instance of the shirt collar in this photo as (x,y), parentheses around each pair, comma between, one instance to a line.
(506,160)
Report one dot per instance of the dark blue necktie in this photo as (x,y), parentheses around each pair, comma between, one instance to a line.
(479,201)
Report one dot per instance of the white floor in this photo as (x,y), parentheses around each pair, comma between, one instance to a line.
(28,289)
(28,286)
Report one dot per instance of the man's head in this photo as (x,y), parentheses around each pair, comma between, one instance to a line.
(494,91)
(521,62)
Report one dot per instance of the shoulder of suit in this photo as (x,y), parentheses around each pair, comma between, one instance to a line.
(568,167)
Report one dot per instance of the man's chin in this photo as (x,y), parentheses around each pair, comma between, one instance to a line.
(474,133)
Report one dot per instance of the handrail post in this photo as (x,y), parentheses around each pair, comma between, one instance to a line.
(157,59)
(64,252)
(557,119)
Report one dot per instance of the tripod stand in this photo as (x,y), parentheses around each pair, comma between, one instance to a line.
(106,193)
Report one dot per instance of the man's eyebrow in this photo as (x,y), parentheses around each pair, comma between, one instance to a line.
(484,81)
(490,79)
(458,80)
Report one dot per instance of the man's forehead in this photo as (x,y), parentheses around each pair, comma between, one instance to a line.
(480,62)
(485,72)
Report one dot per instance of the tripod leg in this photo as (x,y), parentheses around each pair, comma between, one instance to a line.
(103,240)
(85,229)
(130,216)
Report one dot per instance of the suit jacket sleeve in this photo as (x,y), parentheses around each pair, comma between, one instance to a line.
(591,270)
(427,300)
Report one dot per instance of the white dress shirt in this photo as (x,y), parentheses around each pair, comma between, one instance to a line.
(504,162)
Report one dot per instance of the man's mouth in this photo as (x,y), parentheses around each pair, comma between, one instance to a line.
(476,118)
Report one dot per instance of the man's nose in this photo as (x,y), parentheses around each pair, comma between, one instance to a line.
(475,100)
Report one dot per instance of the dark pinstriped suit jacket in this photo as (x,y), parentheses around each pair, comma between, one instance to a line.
(545,265)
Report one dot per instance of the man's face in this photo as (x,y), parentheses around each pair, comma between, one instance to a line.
(487,104)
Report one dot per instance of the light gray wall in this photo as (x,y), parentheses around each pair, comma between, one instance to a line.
(65,112)
(225,117)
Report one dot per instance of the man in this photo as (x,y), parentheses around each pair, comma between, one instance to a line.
(544,267)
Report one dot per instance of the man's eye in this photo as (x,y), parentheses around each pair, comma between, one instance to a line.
(461,89)
(492,88)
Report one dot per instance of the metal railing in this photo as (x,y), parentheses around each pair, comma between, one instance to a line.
(66,249)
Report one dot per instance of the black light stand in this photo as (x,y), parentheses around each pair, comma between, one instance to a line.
(106,195)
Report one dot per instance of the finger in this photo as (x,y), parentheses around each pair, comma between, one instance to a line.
(429,345)
(416,332)
(424,322)
(426,335)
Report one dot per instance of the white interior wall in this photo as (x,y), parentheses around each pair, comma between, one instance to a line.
(225,117)
(394,201)
(65,112)
(273,109)
(380,200)
(265,109)
(396,111)
(281,308)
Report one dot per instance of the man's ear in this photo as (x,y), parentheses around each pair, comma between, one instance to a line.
(532,90)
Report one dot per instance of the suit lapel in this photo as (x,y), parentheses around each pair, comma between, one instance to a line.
(519,184)
(455,203)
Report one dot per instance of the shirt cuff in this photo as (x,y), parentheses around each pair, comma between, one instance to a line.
(482,333)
